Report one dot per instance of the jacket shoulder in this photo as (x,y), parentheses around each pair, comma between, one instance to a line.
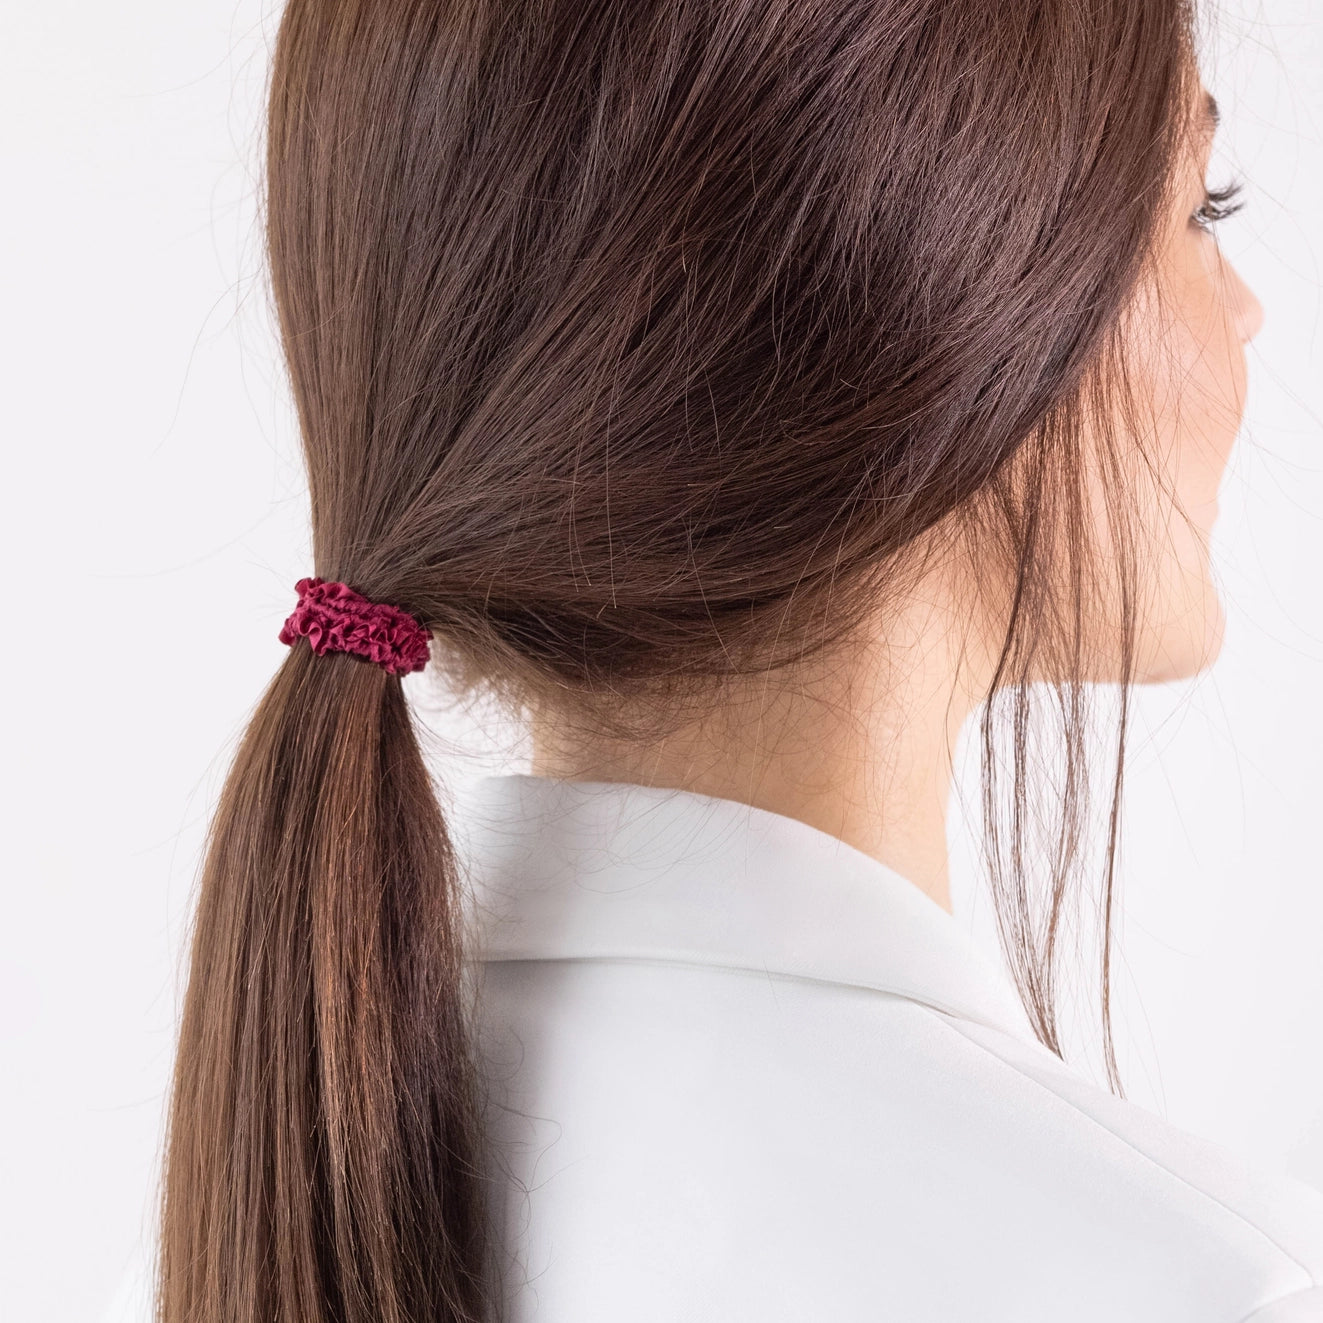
(714,1143)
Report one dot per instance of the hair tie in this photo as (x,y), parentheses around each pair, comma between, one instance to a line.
(334,618)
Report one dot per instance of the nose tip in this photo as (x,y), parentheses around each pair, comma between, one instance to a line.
(1248,309)
(1252,317)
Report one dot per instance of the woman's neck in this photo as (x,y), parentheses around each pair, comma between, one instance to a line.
(861,749)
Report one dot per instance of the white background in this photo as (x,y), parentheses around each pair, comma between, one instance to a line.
(154,523)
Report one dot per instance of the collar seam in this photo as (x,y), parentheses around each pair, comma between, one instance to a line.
(914,996)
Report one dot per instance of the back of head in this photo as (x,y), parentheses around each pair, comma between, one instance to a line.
(635,346)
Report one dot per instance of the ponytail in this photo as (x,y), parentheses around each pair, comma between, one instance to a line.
(322,1153)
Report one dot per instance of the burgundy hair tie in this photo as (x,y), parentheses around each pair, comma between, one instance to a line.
(334,618)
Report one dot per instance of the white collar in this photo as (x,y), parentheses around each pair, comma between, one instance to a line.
(579,869)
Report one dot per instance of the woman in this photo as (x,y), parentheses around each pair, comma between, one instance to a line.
(746,394)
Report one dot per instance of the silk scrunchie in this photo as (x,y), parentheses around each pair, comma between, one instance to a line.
(334,618)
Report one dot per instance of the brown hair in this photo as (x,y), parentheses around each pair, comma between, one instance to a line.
(634,347)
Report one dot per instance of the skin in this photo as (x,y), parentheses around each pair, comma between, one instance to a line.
(1193,358)
(862,747)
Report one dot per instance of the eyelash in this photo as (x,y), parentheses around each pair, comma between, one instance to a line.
(1218,204)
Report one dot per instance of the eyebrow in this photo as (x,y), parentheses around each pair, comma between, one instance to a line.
(1212,115)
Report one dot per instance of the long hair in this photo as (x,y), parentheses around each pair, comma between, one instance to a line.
(635,347)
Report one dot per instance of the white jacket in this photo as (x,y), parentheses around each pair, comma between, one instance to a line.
(740,1070)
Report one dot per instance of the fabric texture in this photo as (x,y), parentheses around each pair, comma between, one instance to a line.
(738,1069)
(335,618)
